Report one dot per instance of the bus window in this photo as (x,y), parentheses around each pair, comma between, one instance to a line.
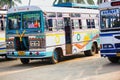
(72,24)
(14,21)
(51,24)
(75,15)
(2,26)
(75,23)
(110,20)
(90,23)
(60,24)
(80,24)
(67,22)
(31,20)
(59,14)
(51,14)
(46,24)
(116,23)
(54,24)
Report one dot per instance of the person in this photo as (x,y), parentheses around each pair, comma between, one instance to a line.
(116,23)
(30,25)
(36,24)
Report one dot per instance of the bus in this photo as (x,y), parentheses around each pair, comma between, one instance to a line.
(3,13)
(110,30)
(35,32)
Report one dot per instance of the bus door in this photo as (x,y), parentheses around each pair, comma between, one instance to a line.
(68,35)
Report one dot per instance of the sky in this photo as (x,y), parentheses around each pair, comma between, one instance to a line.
(37,2)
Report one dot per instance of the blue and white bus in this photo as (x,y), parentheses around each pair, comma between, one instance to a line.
(110,30)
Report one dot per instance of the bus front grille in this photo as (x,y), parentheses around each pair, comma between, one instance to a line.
(37,43)
(117,45)
(21,44)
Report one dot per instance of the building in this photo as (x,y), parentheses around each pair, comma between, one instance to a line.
(79,3)
(76,3)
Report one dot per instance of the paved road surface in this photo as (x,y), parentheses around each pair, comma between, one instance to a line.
(75,68)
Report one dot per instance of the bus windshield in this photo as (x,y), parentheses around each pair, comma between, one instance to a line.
(23,20)
(110,19)
(14,21)
(31,20)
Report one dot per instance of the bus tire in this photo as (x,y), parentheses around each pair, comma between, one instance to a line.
(55,57)
(113,59)
(24,60)
(92,51)
(6,57)
(96,46)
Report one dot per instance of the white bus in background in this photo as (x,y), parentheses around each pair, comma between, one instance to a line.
(3,13)
(110,30)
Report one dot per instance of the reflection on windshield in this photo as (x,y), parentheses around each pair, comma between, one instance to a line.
(110,22)
(23,21)
(110,19)
(31,20)
(14,21)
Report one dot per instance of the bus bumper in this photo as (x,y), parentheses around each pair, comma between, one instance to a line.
(28,54)
(110,53)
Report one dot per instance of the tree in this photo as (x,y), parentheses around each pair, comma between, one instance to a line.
(81,1)
(9,3)
(91,2)
(72,1)
(99,1)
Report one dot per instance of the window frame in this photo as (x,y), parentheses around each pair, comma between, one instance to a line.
(39,13)
(11,15)
(110,19)
(90,23)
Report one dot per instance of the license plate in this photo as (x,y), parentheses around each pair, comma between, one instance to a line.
(118,54)
(21,53)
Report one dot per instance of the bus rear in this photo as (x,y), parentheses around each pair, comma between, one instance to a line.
(110,30)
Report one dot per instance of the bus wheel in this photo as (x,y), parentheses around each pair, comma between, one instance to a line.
(54,58)
(24,61)
(113,59)
(92,51)
(6,57)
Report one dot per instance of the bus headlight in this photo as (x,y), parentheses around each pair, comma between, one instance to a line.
(31,43)
(34,43)
(10,44)
(37,43)
(107,46)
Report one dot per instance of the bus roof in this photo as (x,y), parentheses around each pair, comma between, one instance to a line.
(51,9)
(23,9)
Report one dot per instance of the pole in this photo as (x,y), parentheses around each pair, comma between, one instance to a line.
(10,3)
(29,2)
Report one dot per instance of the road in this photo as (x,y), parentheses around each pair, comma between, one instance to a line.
(74,68)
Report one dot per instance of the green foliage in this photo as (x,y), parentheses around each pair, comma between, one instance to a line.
(91,2)
(9,3)
(80,1)
(99,1)
(73,1)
